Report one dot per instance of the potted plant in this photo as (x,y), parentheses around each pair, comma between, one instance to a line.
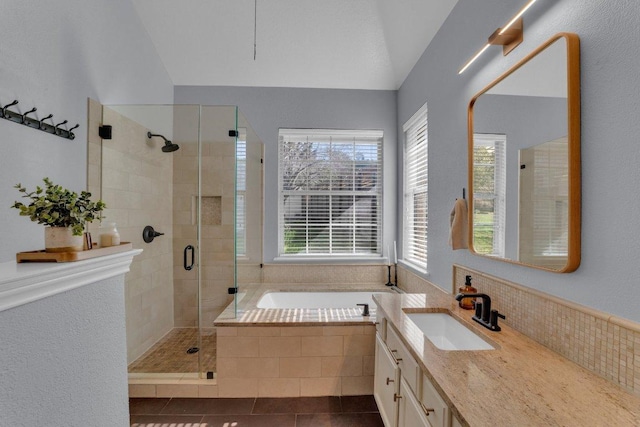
(63,212)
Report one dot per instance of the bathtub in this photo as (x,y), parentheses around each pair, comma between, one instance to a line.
(327,299)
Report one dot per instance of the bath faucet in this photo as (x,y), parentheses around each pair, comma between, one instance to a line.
(365,309)
(484,314)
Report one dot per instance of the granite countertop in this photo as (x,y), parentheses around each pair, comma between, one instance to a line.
(519,383)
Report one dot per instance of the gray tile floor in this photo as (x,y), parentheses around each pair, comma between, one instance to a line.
(345,411)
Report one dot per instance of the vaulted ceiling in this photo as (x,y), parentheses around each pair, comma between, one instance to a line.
(347,44)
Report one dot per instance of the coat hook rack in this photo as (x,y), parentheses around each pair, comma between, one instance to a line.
(34,123)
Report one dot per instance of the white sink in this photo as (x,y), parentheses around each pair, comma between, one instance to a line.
(447,333)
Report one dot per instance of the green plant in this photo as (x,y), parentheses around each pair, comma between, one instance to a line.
(58,207)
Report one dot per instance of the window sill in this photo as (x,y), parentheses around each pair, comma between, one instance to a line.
(311,259)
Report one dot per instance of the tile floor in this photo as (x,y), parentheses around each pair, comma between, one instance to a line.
(169,355)
(333,411)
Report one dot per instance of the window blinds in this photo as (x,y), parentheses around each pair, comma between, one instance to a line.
(330,192)
(415,189)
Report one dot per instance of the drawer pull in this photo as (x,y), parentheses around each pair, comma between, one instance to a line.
(397,359)
(396,397)
(427,410)
(389,380)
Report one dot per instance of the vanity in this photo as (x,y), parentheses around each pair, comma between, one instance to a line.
(515,381)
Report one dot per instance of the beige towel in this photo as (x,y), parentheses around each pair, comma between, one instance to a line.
(458,225)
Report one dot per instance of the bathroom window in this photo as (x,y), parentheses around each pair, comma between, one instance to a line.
(330,192)
(415,190)
(241,191)
(489,190)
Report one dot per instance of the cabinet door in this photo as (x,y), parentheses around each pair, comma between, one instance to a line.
(385,384)
(410,413)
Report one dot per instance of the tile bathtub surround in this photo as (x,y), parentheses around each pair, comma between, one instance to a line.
(325,274)
(294,361)
(352,411)
(604,344)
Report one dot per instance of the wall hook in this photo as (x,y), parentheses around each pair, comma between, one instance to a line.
(34,123)
(58,130)
(4,109)
(31,122)
(71,134)
(42,124)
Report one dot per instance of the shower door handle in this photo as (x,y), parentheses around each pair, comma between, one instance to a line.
(193,257)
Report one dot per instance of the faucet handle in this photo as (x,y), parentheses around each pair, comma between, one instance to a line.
(365,309)
(493,320)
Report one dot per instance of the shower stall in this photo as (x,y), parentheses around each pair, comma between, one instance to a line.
(183,183)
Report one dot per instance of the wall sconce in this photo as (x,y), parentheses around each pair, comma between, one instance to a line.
(509,36)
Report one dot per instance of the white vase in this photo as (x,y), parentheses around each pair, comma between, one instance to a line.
(61,239)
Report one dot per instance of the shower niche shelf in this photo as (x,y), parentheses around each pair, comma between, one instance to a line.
(42,256)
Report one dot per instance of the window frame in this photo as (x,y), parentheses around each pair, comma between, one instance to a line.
(414,250)
(335,135)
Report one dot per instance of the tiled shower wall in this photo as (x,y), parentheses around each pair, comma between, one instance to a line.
(604,344)
(134,178)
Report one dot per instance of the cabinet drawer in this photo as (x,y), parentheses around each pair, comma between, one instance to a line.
(438,412)
(407,364)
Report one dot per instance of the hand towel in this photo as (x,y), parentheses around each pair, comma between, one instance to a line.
(458,225)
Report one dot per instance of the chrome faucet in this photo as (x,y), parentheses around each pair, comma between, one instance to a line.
(484,314)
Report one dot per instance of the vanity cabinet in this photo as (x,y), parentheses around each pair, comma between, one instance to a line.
(405,396)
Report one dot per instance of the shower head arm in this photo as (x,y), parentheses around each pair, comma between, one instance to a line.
(149,135)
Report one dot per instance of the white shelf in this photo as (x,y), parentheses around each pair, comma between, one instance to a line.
(27,282)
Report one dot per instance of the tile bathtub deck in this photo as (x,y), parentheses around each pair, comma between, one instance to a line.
(347,411)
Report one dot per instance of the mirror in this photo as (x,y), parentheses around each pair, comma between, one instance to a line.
(524,161)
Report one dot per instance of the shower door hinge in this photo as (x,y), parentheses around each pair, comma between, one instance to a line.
(233,291)
(104,132)
(233,133)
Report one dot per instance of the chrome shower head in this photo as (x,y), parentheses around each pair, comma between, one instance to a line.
(168,145)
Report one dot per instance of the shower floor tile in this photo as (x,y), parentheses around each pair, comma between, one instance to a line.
(169,355)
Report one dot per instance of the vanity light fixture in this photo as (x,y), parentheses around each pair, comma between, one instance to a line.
(508,36)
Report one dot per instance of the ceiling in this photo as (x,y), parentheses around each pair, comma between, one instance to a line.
(346,44)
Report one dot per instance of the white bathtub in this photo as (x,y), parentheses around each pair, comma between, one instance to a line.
(325,299)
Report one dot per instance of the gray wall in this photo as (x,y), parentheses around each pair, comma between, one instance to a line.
(63,359)
(610,57)
(268,109)
(54,56)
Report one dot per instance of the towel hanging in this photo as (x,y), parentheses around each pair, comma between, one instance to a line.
(458,225)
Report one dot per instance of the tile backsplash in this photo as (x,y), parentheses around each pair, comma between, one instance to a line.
(604,344)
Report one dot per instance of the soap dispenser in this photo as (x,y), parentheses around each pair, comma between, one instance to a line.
(467,303)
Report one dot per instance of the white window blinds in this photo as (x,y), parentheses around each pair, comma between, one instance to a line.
(241,191)
(415,189)
(330,192)
(489,193)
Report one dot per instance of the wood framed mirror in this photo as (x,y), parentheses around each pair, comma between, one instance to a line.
(524,161)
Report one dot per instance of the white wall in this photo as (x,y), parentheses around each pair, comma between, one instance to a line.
(54,56)
(63,359)
(608,278)
(268,109)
